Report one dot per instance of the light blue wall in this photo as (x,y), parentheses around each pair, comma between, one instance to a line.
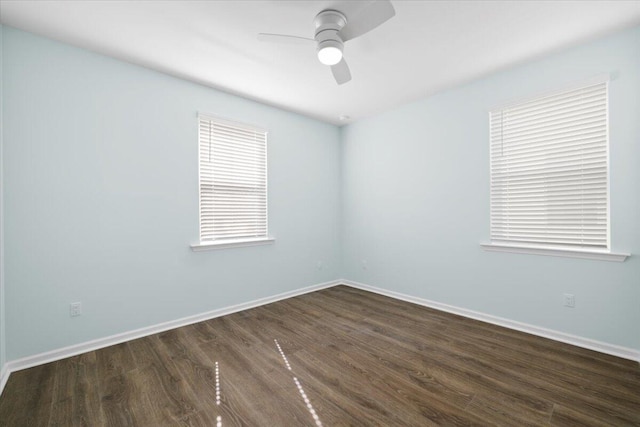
(101,198)
(416,202)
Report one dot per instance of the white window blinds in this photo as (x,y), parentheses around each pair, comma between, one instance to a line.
(549,171)
(233,180)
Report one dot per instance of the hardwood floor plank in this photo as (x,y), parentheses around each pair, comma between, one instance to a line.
(115,402)
(142,352)
(338,388)
(86,395)
(566,417)
(168,391)
(75,394)
(61,412)
(31,403)
(392,392)
(587,363)
(503,374)
(501,409)
(114,361)
(619,407)
(444,369)
(28,379)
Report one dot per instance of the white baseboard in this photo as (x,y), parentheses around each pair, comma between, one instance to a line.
(602,347)
(73,350)
(4,376)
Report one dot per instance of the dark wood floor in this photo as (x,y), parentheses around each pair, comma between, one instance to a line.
(335,357)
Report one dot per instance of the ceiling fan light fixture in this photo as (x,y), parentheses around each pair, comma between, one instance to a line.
(330,52)
(332,30)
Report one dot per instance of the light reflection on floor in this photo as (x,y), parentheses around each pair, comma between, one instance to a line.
(300,389)
(219,418)
(217,384)
(295,380)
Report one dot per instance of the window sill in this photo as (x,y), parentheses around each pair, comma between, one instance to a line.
(231,243)
(570,253)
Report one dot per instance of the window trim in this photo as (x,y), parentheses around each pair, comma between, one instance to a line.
(567,253)
(230,242)
(553,250)
(599,78)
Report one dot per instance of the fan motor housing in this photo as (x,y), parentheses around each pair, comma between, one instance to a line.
(328,23)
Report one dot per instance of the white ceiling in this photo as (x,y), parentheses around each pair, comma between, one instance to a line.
(427,47)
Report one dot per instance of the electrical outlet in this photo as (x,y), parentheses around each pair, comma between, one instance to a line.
(364,264)
(320,265)
(75,309)
(569,300)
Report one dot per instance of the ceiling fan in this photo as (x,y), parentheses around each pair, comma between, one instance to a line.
(333,29)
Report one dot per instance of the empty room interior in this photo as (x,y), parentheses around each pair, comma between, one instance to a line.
(319,213)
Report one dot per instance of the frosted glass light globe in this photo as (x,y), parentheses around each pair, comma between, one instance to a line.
(329,55)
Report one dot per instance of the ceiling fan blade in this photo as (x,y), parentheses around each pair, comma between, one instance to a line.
(283,38)
(341,72)
(376,13)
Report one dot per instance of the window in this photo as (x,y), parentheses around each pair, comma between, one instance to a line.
(549,171)
(233,183)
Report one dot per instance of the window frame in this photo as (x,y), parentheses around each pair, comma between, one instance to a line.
(550,248)
(220,243)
